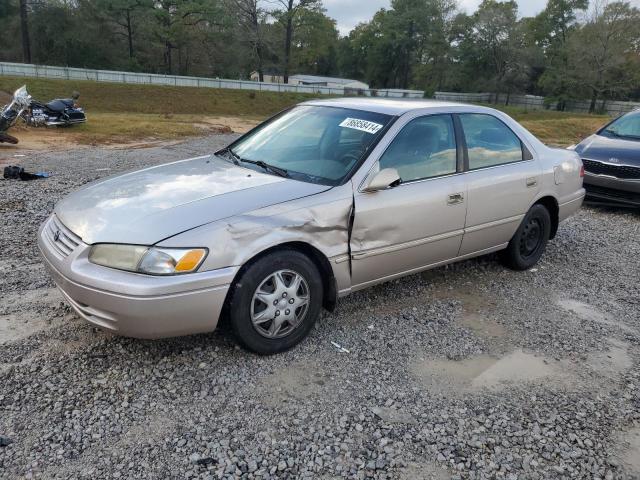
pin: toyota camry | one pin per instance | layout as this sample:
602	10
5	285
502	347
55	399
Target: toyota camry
322	200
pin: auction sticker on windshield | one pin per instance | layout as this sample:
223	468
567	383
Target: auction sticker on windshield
362	125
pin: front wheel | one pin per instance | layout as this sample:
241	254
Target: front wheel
6	138
530	240
275	302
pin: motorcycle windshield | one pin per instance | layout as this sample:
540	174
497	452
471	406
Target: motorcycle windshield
21	96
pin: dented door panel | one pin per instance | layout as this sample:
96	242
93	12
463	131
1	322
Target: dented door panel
406	228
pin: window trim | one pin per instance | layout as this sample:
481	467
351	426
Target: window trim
527	156
456	139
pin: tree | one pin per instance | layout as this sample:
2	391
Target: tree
497	41
24	27
353	53
252	18
315	44
604	55
433	43
288	15
121	13
551	30
174	19
407	45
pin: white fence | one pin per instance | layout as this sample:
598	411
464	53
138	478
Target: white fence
532	102
67	73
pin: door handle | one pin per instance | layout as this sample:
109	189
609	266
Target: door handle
532	182
455	198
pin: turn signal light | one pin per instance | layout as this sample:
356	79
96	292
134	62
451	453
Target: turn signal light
190	261
582	171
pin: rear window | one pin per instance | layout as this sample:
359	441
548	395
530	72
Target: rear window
489	141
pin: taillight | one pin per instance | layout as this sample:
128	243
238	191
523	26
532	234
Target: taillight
582	171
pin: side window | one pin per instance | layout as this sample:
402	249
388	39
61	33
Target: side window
489	141
424	148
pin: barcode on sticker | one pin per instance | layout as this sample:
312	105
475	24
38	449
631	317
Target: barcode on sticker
362	125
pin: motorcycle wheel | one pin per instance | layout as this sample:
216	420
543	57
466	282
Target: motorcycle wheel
6	138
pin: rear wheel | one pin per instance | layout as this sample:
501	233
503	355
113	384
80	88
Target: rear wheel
530	240
275	302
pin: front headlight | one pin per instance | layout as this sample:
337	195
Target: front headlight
153	261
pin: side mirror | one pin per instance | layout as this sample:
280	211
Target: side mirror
385	178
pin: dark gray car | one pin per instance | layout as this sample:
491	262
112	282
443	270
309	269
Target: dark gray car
611	159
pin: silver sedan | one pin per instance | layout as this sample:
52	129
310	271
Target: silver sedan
322	200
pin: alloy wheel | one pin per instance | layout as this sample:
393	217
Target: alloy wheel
280	304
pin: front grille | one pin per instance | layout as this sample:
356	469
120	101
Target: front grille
62	240
618	171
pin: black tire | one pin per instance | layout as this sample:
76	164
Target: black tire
530	241
6	138
241	302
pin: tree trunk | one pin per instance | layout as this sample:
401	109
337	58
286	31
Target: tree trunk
258	46
407	59
24	26
594	100
287	42
129	34
167	57
260	70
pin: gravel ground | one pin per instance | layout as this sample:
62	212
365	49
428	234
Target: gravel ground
469	371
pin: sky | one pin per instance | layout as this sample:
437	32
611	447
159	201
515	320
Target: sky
349	13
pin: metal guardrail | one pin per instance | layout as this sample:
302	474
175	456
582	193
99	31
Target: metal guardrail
69	73
533	102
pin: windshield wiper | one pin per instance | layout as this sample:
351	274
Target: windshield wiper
620	135
234	158
270	168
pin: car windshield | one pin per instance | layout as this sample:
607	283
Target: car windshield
627	126
312	143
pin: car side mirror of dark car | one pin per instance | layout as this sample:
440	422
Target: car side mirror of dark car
385	178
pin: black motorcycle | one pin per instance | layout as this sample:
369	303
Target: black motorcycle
11	112
60	112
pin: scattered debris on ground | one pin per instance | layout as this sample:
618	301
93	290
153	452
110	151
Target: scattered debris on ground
13	172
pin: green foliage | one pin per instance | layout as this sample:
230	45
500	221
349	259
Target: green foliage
567	51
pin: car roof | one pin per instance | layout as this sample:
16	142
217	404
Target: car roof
387	106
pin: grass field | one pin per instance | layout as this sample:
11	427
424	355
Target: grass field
121	113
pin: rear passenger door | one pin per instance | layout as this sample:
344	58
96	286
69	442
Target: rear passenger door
502	180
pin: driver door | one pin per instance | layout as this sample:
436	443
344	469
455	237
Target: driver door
420	222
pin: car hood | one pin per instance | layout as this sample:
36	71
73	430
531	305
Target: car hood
147	206
610	150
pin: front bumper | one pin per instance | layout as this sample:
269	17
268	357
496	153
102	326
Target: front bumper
608	190
131	304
